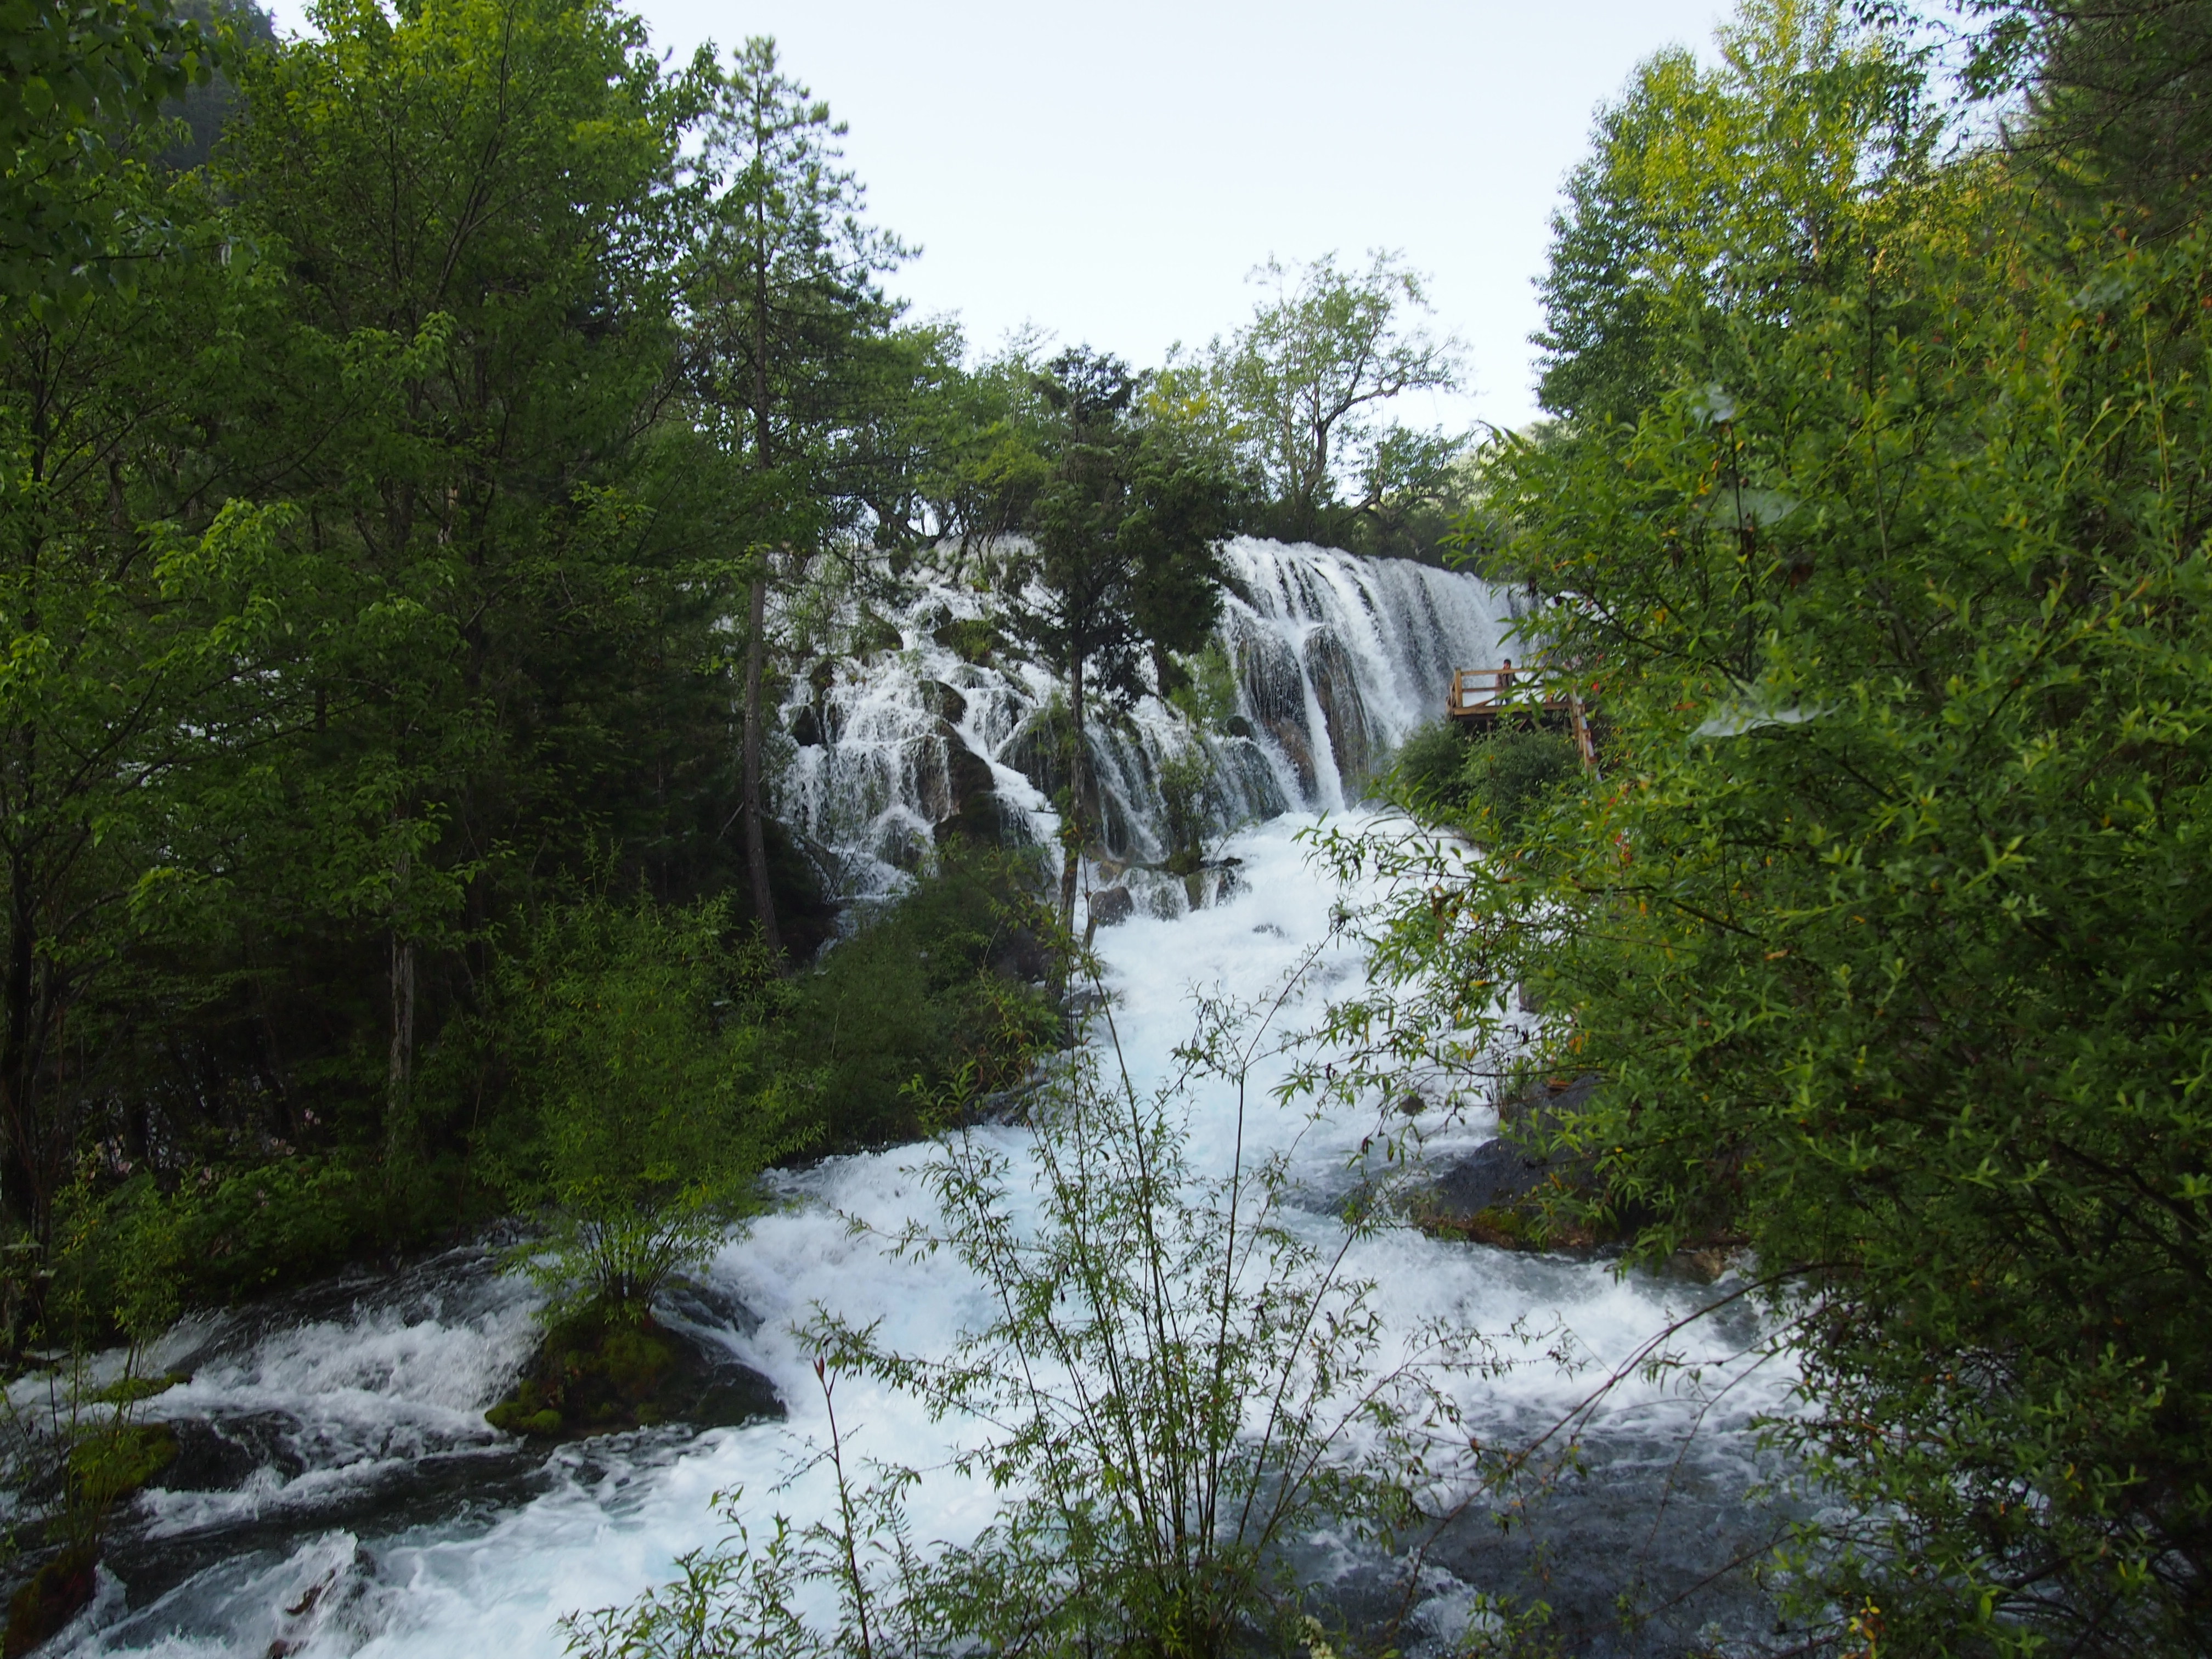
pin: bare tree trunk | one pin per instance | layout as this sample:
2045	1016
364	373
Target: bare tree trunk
20	1061
756	628
756	835
399	1082
1076	832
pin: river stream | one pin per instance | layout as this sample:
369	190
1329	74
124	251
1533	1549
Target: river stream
340	1493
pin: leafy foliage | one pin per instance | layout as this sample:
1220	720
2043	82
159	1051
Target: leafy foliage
84	83
942	986
1881	932
1491	782
633	1038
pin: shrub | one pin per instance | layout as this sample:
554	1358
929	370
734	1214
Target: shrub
1489	783
635	1039
943	980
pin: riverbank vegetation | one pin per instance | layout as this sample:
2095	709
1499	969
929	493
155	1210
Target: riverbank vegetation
426	438
1872	515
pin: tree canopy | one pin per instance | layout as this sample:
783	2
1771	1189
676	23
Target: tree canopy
1872	525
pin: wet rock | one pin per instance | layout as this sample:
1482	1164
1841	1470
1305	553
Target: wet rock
224	1454
806	727
597	1373
1499	1193
1116	829
1038	751
706	1305
973	816
1111	906
1335	680
1289	737
54	1595
951	704
1237	727
1498	1172
1275	691
874	635
902	847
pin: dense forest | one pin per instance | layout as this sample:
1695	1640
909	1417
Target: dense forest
429	441
421	433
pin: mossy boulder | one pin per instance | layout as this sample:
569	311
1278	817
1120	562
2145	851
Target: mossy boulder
1519	1192
973	638
54	1595
605	1369
110	1465
129	1390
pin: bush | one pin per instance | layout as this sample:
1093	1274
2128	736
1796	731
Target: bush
1488	782
635	1039
944	981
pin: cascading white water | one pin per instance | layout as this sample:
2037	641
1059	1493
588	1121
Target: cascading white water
1336	658
345	1496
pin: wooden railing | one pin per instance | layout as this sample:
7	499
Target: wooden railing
1482	696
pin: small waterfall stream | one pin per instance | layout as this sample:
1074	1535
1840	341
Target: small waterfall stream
340	1493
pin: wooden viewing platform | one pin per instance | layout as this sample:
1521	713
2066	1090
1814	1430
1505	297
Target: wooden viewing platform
1483	697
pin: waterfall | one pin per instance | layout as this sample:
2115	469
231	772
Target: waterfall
946	723
338	1491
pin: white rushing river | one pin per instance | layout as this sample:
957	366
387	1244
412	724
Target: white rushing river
339	1493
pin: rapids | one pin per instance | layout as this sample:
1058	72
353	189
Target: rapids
339	1493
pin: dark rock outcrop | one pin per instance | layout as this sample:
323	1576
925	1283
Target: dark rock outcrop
974	816
1111	906
1500	1193
1038	749
1336	681
951	703
597	1373
1275	691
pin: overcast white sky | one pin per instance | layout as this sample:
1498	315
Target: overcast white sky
1112	172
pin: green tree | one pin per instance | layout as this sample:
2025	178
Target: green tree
83	85
986	444
477	200
1125	526
1722	196
1306	378
635	1039
1882	934
787	348
2114	99
146	648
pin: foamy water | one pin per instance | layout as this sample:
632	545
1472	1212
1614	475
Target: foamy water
399	1380
349	1498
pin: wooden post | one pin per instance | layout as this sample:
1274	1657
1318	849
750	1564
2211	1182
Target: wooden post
1575	718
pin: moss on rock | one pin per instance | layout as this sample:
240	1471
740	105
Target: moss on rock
111	1465
54	1595
603	1369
